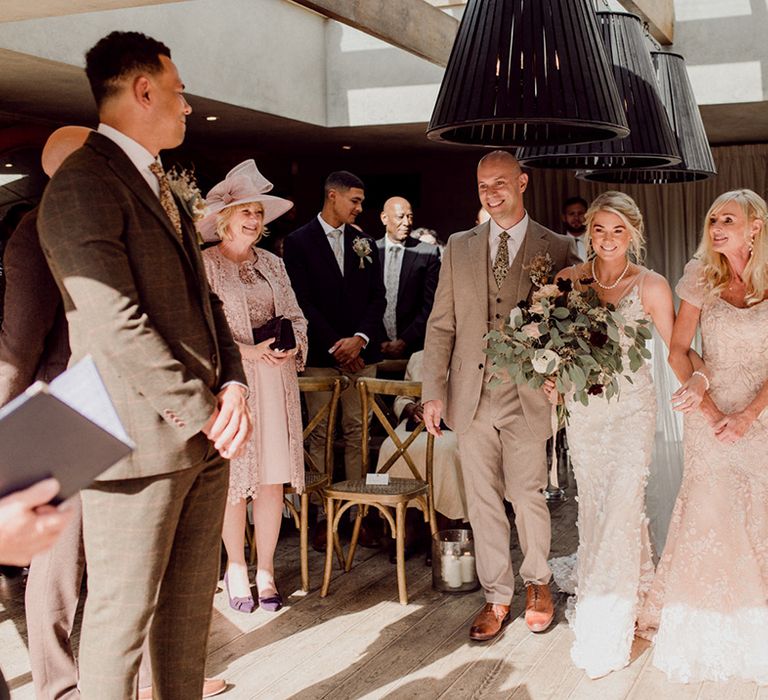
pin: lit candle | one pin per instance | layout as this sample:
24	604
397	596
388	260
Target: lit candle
452	571
467	563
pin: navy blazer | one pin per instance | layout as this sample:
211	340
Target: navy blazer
336	306
416	290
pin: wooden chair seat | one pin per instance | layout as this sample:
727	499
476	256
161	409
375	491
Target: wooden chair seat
312	482
397	490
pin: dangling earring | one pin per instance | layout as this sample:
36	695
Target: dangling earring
751	243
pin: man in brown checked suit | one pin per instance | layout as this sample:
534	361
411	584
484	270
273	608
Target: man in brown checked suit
502	430
124	254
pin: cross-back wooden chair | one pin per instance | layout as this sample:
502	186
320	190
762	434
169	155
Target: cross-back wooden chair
395	496
316	476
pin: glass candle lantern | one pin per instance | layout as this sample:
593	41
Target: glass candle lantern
453	561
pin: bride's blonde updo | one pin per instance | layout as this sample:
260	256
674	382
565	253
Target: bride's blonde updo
627	210
717	272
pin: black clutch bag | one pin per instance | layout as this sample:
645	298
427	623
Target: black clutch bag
279	328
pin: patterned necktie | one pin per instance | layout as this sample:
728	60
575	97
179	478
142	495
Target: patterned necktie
338	253
501	263
392	282
166	197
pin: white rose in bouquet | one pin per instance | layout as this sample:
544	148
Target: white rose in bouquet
545	361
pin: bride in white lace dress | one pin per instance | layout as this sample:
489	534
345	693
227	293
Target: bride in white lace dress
611	443
708	605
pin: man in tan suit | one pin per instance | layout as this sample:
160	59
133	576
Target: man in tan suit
124	254
502	430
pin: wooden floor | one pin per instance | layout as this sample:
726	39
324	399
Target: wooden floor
359	642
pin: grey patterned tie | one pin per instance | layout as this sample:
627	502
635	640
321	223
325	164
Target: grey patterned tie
501	262
392	282
338	253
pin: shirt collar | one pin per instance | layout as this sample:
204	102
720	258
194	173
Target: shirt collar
137	154
327	228
389	244
516	232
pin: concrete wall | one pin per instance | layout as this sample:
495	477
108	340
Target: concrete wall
267	55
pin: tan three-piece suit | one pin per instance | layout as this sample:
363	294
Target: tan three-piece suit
137	299
502	430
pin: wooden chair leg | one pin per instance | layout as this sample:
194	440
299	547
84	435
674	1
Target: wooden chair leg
400	549
337	548
329	547
355	535
304	541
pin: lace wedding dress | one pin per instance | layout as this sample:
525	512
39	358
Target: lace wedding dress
708	604
610	444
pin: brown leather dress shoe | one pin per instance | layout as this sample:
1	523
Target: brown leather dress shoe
211	687
489	622
539	609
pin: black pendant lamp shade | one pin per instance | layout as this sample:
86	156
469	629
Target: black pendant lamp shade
677	96
651	142
527	72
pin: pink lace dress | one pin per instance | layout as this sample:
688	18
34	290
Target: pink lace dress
252	293
708	605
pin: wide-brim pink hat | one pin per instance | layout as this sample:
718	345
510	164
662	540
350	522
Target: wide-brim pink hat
243	184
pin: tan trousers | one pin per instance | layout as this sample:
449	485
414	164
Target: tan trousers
152	545
500	458
351	418
53	590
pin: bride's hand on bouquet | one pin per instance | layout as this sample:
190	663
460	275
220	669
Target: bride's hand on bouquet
732	427
552	393
689	396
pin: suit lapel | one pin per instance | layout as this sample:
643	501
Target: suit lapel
409	258
381	245
477	254
122	166
534	243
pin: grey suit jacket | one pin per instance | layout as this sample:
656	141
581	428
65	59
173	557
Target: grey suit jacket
137	299
33	339
459	320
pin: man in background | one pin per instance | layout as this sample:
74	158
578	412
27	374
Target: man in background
410	269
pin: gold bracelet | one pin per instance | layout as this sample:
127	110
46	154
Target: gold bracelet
699	373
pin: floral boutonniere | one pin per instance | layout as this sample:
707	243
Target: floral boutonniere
362	247
184	185
540	269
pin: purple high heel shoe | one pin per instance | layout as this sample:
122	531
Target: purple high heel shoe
271	603
243	605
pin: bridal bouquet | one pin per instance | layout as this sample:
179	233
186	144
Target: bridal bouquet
566	334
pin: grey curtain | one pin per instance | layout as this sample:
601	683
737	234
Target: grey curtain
674	214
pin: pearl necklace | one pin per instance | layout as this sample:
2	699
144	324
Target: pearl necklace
609	286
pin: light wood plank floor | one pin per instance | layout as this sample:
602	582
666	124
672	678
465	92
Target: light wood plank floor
360	643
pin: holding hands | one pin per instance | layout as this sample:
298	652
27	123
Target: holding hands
347	351
230	424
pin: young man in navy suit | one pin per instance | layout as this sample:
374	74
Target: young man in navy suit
335	272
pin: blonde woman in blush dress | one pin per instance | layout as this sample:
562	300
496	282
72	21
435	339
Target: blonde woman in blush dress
708	605
611	444
254	287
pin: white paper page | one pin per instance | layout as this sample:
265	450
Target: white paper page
81	388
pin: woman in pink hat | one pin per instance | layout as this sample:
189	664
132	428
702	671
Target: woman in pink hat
254	288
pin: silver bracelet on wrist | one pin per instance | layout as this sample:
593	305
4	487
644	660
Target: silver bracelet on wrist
699	373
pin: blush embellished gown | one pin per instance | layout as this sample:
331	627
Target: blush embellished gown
708	606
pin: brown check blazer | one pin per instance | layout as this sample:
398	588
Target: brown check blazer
137	299
34	342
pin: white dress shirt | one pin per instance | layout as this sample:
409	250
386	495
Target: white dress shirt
137	154
516	235
327	229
